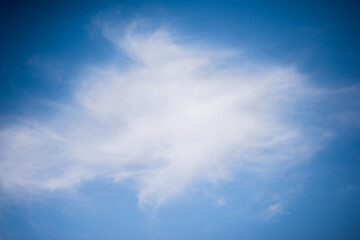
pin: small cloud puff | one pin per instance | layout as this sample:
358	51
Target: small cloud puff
273	211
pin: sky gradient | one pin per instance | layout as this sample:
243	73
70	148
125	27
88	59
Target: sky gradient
179	120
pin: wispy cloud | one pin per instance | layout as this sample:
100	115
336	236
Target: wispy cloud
175	116
273	210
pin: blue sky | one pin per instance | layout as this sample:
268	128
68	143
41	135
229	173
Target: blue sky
179	120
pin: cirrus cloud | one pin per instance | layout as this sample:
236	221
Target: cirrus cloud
174	117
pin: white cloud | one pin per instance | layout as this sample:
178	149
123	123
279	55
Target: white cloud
273	211
178	115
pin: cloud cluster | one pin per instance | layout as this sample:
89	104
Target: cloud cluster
174	117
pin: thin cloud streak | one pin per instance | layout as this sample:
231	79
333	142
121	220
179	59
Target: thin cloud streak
177	116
